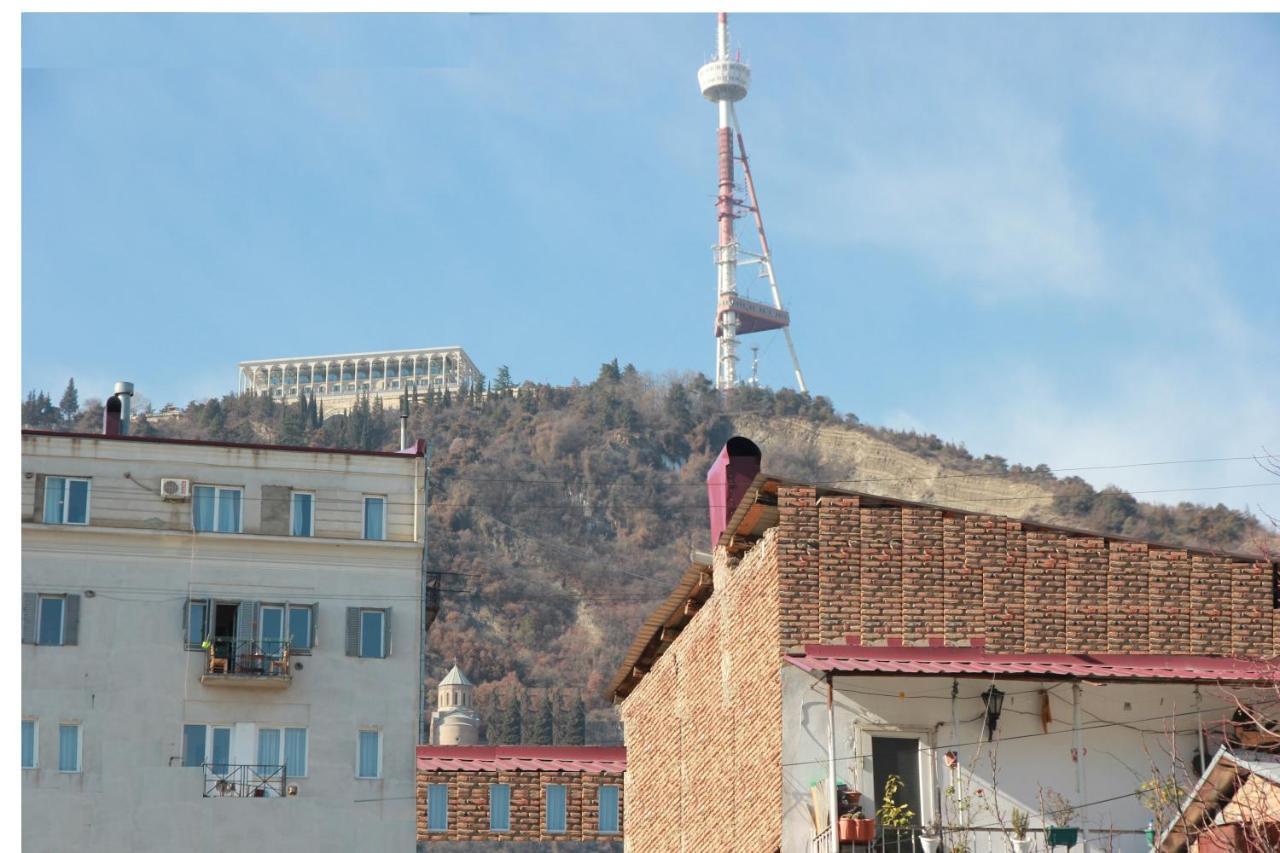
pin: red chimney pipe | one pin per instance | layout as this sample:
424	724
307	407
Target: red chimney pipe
728	480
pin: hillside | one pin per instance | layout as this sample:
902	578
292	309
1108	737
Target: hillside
567	513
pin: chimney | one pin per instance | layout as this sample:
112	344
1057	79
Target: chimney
728	480
115	415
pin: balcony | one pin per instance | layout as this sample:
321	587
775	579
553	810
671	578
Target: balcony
246	663
244	780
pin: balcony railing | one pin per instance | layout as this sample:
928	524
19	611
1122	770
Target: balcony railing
974	839
247	662
244	780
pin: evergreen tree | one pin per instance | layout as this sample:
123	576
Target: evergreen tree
70	404
445	400
512	722
502	383
609	372
561	721
578	724
544	723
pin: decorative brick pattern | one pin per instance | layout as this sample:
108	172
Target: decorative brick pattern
1128	610
798	587
881	573
958	596
1085	603
1250	609
1210	613
839	567
1169	581
1046	591
922	571
704	727
468	807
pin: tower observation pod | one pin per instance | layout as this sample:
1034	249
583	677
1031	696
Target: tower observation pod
724	82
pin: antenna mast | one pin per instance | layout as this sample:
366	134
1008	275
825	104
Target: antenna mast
724	82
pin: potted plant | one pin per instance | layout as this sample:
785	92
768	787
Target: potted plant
845	824
931	835
1059	832
894	815
862	829
1019	822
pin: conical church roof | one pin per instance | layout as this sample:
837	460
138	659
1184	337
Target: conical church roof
455	677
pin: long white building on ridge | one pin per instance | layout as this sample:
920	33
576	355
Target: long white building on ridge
339	380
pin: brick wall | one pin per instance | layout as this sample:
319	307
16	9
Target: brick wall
704	727
882	570
468	817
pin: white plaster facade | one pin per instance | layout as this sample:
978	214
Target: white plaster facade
1128	732
340	380
132	681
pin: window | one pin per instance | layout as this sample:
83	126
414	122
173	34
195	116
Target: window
193	741
608	808
375	520
555	808
301	636
69	748
29	744
49	632
215	509
295	752
271	629
50	620
437	808
369	754
269	746
302	514
499	808
368	632
197	623
220	757
66	500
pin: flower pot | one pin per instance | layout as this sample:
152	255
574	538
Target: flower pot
1061	836
864	830
1020	845
930	843
844	829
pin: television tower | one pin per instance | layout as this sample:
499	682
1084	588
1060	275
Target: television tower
724	82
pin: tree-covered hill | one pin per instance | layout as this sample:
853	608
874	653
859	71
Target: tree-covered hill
566	513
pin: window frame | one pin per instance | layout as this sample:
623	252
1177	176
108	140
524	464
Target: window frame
364	518
79	727
377	733
261	638
35	743
306	751
66	502
507	826
311	514
444	827
382	632
564	805
617	810
62	618
205	624
217	507
290	609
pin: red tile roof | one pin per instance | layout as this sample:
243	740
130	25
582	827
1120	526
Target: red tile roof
975	660
562	759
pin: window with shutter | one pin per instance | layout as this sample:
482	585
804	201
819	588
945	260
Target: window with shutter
71	621
353	632
30	606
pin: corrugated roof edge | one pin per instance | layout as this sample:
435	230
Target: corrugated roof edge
415	450
610	759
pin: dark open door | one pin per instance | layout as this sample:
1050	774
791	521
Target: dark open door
900	756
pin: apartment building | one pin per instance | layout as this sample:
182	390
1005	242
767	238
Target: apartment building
205	623
836	639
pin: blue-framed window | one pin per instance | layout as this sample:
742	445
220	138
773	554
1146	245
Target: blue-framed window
499	808
556	796
437	808
608	808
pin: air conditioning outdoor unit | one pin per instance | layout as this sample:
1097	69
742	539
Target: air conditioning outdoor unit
175	490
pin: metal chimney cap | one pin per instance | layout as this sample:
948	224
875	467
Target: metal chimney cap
124	388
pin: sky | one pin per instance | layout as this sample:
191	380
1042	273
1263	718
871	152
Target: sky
1051	238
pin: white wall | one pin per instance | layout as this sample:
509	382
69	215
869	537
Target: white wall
1152	721
132	685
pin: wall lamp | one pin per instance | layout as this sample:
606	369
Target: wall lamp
994	699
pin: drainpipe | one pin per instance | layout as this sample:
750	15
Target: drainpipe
1078	739
831	765
1204	755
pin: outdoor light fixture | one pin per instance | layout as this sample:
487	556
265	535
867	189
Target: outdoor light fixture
994	699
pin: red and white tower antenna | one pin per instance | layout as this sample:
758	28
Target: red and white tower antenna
724	81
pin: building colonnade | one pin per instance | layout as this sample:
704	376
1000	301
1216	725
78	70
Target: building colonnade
376	373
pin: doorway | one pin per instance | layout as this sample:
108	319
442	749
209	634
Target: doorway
224	633
897	756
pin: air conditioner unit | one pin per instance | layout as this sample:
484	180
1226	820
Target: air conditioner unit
175	490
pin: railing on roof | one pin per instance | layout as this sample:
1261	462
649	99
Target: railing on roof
973	839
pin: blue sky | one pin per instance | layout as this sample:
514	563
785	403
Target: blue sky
1052	238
